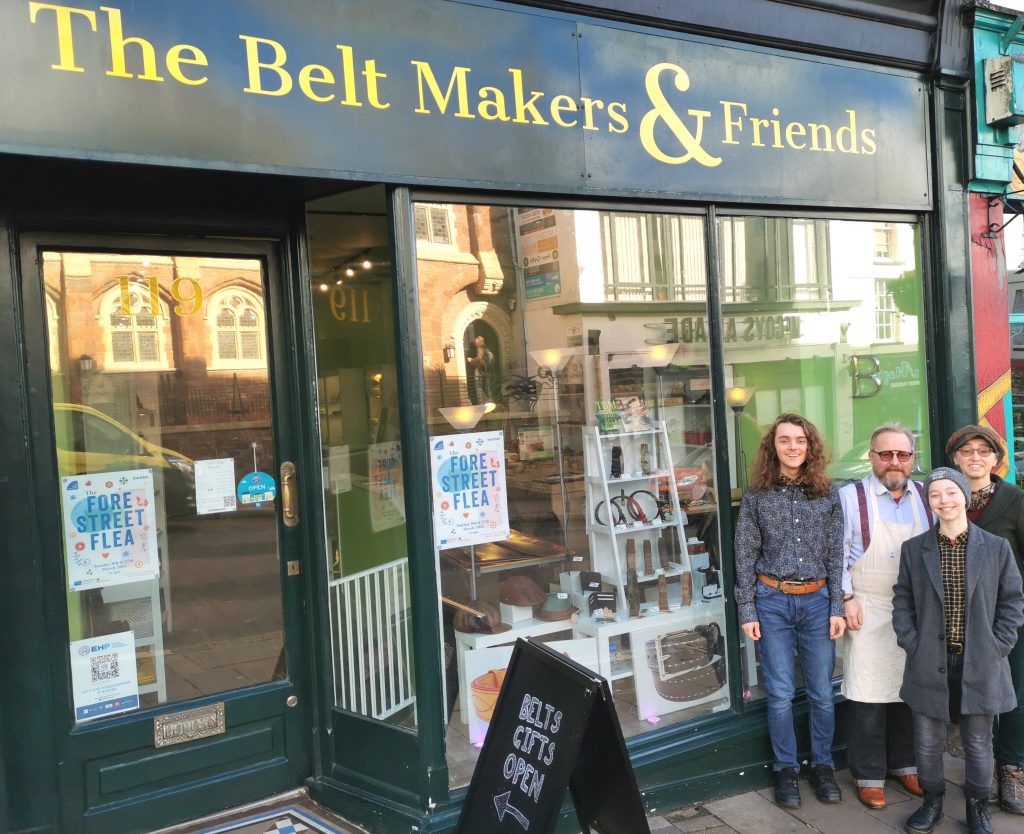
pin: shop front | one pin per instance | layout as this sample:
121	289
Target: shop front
344	348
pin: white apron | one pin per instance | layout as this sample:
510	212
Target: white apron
873	671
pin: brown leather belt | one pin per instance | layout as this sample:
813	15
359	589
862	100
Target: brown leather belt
788	586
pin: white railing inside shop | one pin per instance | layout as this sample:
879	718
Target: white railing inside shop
371	640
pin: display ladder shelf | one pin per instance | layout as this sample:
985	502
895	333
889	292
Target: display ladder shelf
608	540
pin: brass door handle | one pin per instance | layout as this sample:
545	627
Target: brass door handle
289	494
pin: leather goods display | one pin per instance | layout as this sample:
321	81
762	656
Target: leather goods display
556	607
590	581
521	590
687	665
485	691
489	621
604	603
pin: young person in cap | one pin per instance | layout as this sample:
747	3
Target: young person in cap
789	565
998	507
956	611
881	512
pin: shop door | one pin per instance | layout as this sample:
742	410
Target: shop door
169	507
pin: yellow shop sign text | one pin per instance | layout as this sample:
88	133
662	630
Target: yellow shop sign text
667	130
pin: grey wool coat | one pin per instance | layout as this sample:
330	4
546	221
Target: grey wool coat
995	610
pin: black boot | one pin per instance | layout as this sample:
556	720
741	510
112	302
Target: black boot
925	818
787	791
978	819
823	780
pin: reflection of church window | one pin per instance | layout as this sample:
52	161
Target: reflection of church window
774	259
237	321
433	223
649	257
52	328
133	336
886	315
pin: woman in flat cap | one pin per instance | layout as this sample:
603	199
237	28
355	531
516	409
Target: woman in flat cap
998	507
956	610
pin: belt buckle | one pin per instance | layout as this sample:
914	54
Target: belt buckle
790	583
955	648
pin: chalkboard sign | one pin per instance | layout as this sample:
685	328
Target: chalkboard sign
554	727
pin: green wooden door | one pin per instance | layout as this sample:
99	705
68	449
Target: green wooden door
173	541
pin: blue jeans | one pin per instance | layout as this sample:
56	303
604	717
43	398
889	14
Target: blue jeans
797	623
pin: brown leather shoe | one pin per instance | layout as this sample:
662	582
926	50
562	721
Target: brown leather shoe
910	783
872	797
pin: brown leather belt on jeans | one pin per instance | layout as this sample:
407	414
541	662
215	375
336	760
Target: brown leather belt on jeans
788	586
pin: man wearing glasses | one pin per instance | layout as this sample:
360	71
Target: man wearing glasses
880	512
998	508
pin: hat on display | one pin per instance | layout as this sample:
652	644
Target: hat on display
962	435
488	622
521	590
485	690
948	473
556	607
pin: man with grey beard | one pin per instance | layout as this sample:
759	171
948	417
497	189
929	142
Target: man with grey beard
880	512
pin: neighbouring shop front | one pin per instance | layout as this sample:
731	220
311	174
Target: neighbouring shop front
344	346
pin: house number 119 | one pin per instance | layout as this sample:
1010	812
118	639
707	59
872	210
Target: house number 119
193	299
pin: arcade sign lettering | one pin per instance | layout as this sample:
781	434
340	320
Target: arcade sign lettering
690	329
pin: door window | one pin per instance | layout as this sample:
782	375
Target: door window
167	476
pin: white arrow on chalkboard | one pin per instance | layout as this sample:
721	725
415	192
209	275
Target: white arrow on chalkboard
503	806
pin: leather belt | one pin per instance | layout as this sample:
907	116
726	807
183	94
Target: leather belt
792	586
686	665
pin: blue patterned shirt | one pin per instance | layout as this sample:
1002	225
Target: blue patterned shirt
783	534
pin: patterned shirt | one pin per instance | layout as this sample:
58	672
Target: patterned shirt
782	533
952	563
979	500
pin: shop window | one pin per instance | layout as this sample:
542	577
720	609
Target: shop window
774	259
603	540
236	319
134	338
366	545
849	366
434	224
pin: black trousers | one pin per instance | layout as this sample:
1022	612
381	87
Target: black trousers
880	740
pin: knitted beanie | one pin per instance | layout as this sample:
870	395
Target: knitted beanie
948	473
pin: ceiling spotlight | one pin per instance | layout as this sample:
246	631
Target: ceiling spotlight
349	271
323	288
339	282
367	263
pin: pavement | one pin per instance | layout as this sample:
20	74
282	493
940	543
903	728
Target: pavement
754	812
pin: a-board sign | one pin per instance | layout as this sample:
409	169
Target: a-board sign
554	727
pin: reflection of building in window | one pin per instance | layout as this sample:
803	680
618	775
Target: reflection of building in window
433	223
236	318
887	318
774	259
53	333
1018	302
134	337
885	242
651	257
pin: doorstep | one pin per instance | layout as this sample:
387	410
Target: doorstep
291	813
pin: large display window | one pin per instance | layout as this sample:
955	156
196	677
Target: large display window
572	415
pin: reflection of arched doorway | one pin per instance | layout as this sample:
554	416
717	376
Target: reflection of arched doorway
484	378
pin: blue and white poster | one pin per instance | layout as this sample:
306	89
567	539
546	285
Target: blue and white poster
104	677
109	528
470	499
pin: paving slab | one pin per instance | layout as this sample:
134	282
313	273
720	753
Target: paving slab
754	813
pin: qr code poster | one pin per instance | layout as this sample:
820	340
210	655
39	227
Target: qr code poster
104	677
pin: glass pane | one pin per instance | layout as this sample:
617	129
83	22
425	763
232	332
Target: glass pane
605	540
361	446
849	363
170	537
